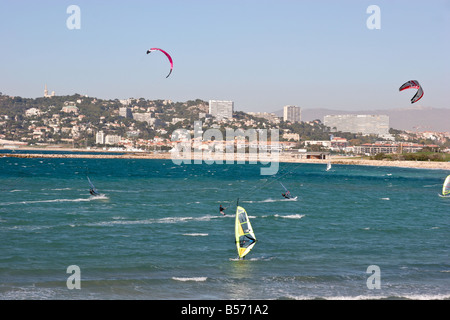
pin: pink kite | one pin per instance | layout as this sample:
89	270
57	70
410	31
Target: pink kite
168	57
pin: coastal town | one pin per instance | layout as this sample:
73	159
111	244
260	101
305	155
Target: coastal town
145	126
220	158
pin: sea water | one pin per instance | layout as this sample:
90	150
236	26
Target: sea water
156	231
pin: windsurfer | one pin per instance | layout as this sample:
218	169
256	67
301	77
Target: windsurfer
92	189
286	195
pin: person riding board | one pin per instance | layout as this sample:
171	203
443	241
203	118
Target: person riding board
222	209
286	195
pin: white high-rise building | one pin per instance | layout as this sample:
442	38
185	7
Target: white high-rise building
358	123
100	137
292	114
221	109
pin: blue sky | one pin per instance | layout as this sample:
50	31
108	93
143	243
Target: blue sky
261	54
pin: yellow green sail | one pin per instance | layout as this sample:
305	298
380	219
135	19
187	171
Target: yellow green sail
245	237
446	186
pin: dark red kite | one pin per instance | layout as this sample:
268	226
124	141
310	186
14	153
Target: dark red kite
413	84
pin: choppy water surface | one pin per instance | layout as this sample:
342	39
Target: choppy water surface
156	232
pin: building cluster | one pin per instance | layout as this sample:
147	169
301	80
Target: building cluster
225	109
127	112
341	145
69	124
391	147
437	137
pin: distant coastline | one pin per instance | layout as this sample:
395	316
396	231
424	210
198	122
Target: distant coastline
101	154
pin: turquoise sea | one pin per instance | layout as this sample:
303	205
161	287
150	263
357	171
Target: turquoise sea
156	232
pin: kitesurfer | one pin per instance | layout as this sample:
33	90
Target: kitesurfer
285	195
222	209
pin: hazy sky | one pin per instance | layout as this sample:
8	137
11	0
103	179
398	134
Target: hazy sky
260	54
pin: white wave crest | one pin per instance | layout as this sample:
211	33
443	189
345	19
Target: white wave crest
195	279
48	201
291	216
122	221
270	200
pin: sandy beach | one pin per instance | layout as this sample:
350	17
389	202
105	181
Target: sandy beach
167	155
